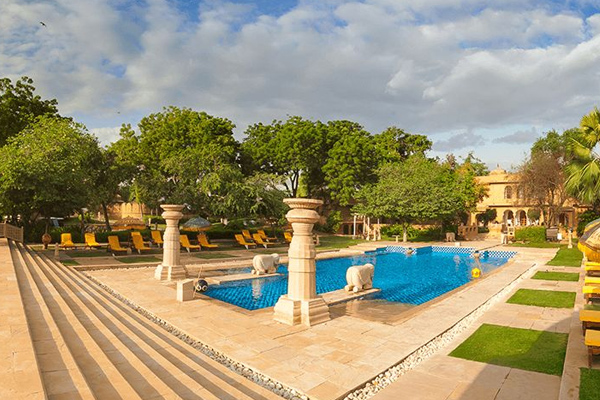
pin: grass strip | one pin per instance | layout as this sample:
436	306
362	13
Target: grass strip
542	245
69	262
140	259
213	255
556	276
589	384
543	298
567	257
531	350
88	253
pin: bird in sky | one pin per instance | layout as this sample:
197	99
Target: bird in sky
43	24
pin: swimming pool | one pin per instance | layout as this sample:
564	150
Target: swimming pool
415	279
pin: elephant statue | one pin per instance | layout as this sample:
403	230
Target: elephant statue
359	277
265	264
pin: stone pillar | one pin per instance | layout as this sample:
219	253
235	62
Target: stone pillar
171	269
301	305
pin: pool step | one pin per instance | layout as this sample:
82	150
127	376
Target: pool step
105	350
340	296
217	280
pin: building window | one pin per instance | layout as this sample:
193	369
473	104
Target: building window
508	192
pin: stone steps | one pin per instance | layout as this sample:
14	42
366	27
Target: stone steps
112	352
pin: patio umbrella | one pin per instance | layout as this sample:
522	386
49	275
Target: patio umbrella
196	224
589	242
129	223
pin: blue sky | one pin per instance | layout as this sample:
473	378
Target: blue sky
487	77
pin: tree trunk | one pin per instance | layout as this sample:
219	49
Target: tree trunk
404	234
105	212
82	222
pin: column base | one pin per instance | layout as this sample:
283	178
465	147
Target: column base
305	312
170	272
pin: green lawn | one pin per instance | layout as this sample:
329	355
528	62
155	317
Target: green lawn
88	253
556	276
567	257
542	245
69	262
337	242
589	384
139	259
527	349
543	298
208	256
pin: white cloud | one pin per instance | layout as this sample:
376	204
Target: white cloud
429	66
106	135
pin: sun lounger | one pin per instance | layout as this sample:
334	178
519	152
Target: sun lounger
157	238
138	242
264	236
185	243
589	319
66	241
288	237
114	246
591	292
247	235
90	241
592	280
592	263
203	241
592	341
258	239
242	241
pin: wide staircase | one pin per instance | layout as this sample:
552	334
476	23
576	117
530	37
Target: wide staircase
89	345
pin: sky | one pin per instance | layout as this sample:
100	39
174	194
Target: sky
474	76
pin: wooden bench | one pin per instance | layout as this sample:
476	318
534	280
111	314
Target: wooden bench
592	341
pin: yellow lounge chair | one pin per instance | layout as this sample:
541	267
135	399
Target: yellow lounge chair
259	240
138	242
242	241
203	241
592	263
185	243
592	341
157	238
66	241
591	292
592	280
264	236
288	237
247	235
114	245
90	241
589	319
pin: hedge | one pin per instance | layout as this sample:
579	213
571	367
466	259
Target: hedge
531	234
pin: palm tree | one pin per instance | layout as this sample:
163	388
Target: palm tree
583	172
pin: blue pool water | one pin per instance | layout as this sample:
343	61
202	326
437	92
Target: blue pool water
413	279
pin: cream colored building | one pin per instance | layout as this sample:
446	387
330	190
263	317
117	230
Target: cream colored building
504	195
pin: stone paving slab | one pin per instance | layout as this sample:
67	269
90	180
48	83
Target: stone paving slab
19	373
327	360
217	280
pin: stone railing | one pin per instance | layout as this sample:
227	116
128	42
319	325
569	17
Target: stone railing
11	232
467	232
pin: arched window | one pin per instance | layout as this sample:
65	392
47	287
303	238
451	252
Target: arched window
508	192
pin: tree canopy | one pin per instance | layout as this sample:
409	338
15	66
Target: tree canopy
19	106
48	169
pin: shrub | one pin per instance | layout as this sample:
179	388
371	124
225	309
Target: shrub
332	224
531	234
585	218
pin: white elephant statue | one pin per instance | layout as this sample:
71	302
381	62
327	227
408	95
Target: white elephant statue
359	277
265	264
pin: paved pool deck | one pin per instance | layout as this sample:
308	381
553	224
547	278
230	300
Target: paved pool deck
363	338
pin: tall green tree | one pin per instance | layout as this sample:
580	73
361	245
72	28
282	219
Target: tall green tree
48	170
350	162
176	151
395	145
583	171
19	106
417	190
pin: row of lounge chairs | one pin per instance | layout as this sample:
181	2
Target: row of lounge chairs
590	315
249	240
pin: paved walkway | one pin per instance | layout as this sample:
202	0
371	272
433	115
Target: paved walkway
445	378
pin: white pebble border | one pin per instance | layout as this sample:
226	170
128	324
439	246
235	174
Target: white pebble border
430	348
364	392
237	367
